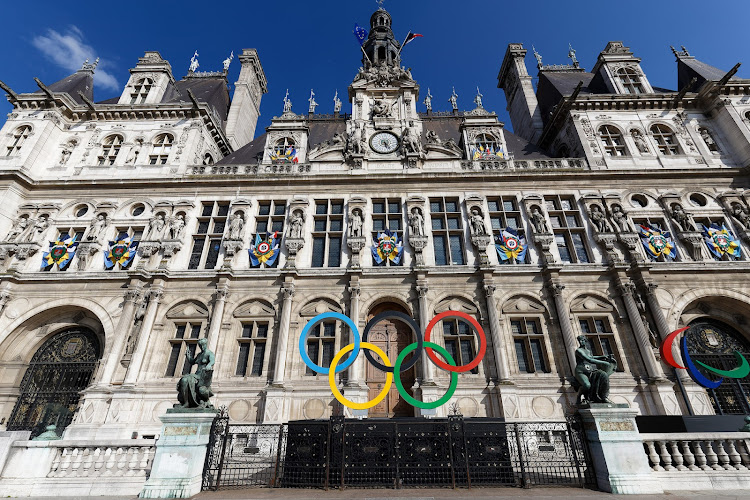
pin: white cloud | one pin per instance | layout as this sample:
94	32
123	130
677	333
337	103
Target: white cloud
69	51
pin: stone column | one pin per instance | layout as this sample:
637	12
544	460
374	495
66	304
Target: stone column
501	357
131	377
564	318
653	368
427	377
217	316
663	327
357	373
281	346
120	335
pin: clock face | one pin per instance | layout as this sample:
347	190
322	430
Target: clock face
384	142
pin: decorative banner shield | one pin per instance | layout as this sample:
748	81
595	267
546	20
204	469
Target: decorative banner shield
387	247
264	250
120	252
288	156
720	241
487	153
657	242
61	252
512	247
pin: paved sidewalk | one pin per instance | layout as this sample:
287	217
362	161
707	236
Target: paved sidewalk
429	494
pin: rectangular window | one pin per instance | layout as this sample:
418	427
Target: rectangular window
321	345
270	220
207	239
447	231
598	331
72	232
529	342
185	340
328	227
459	341
504	213
386	214
659	224
252	343
570	235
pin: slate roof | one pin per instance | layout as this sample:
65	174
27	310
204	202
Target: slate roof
689	67
553	85
81	80
247	154
212	90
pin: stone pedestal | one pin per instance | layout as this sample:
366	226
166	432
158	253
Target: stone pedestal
418	243
481	242
177	471
355	244
620	462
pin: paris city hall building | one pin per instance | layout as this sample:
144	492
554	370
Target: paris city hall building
133	227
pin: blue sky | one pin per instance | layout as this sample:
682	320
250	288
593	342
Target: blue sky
305	44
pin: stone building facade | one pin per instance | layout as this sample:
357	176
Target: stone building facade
176	165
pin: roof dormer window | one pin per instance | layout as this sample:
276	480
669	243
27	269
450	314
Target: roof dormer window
19	137
630	81
162	148
141	90
110	150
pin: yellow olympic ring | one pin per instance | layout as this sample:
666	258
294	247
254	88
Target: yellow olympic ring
332	378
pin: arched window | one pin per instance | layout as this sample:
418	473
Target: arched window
614	145
51	387
630	81
486	146
110	150
208	159
284	151
141	90
665	139
160	152
19	137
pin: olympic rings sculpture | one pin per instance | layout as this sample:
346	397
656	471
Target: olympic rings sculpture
393	371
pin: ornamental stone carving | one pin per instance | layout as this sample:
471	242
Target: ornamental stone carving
598	219
539	221
682	218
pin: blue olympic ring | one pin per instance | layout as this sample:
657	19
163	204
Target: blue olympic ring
306	333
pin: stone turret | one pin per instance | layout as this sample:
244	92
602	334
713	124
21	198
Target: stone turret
245	108
523	107
381	46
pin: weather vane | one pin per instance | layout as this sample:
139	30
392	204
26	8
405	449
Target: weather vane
380	3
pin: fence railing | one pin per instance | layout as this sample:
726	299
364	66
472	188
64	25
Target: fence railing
694	451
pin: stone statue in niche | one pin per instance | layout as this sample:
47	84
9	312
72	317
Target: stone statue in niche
133	156
381	108
67	150
296	222
176	227
416	222
356	141
156	228
640	141
477	223
620	218
596	214
592	374
19	227
97	228
236	227
682	218
355	223
136	330
35	234
538	221
738	211
194	389
710	142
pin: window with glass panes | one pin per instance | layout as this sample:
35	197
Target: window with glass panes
630	81
252	353
386	214
598	331
719	221
110	150
659	224
611	137
321	345
504	213
185	340
665	139
135	231
447	231
161	149
270	219
140	91
570	235
458	338
19	137
528	340
328	227
207	238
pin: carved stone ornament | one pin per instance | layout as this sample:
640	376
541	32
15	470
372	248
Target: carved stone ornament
355	244
418	244
607	242
85	251
384	76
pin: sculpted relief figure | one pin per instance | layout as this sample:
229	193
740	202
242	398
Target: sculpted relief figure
35	234
416	222
621	219
409	142
176	227
19	227
538	221
236	227
296	222
477	223
682	218
640	141
97	228
381	108
355	141
432	137
133	156
738	211
156	228
598	219
355	223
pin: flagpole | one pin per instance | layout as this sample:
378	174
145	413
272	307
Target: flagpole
365	53
402	45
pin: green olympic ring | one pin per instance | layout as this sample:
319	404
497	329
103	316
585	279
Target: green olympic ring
400	385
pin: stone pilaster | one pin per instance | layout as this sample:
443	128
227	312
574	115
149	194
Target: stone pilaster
131	377
217	316
427	373
501	357
281	346
563	315
120	335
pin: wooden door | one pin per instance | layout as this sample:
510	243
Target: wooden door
392	337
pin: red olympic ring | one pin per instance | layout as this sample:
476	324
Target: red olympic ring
666	348
480	332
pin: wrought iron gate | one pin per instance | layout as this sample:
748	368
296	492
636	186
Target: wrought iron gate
397	453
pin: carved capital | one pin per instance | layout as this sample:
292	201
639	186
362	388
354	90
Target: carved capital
221	293
155	294
422	291
489	290
232	247
356	244
170	248
294	245
626	288
4	299
288	290
651	288
133	295
556	289
354	291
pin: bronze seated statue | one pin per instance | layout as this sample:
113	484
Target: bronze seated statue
194	389
592	374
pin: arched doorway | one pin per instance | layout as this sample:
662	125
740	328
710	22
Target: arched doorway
713	343
50	389
392	336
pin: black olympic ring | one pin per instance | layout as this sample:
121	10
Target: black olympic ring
414	328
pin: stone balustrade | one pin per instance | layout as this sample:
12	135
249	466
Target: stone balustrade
121	459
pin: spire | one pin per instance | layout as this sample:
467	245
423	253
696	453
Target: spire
538	58
381	47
